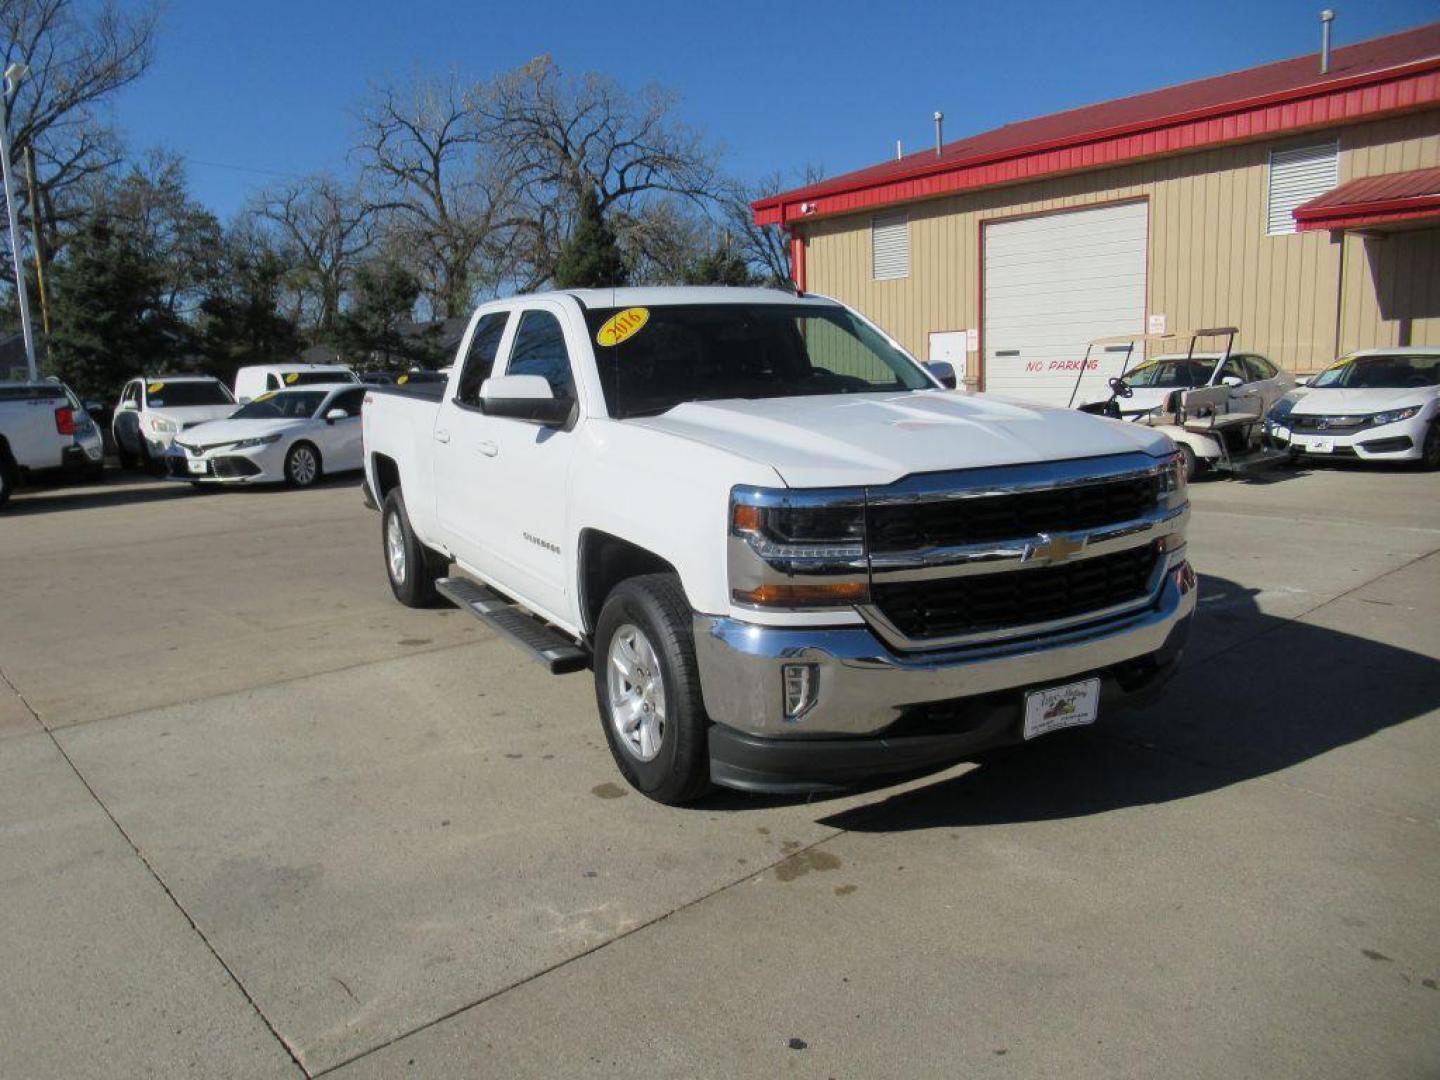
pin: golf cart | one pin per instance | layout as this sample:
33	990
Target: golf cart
1214	426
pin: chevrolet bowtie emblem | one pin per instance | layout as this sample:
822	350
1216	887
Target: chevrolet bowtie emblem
1052	548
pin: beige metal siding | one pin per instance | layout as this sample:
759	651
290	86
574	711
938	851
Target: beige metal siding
1210	260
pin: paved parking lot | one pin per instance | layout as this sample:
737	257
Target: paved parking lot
257	819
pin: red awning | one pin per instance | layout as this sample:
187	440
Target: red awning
1374	200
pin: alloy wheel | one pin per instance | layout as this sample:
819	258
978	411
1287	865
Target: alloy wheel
637	692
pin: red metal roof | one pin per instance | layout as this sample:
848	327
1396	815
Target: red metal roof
1382	75
1374	200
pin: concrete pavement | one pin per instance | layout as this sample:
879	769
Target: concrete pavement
258	819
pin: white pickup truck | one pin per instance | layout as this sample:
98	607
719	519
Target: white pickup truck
44	428
792	558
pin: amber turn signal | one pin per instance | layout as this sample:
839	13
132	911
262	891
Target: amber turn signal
847	592
746	518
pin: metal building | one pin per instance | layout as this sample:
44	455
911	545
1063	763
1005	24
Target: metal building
1301	205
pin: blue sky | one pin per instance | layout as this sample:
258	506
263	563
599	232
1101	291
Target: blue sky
247	89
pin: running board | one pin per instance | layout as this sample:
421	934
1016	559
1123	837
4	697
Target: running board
542	642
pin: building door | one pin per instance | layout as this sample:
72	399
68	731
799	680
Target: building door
1053	283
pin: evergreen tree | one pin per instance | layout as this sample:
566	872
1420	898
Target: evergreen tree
591	257
239	321
111	317
722	266
377	327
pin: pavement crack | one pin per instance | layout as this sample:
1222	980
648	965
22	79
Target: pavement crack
784	857
174	900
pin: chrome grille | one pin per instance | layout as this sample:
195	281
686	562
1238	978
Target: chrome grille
947	522
981	603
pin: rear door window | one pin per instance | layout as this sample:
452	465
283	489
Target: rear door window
480	360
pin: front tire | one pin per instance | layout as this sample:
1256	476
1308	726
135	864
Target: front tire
1430	449
411	566
647	687
302	465
1189	461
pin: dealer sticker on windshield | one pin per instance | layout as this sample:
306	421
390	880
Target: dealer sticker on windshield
622	325
1061	707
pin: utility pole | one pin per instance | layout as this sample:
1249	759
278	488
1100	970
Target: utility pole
35	238
13	74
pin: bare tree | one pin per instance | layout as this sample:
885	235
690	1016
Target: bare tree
328	227
447	199
78	55
558	135
765	247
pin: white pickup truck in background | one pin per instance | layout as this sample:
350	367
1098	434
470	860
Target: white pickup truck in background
44	428
793	560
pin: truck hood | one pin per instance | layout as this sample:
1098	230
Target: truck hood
1328	402
220	432
847	440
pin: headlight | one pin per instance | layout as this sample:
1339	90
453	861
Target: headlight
793	549
262	440
1394	415
161	426
1170	491
1280	411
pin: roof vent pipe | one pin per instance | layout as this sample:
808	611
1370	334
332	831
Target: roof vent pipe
1326	18
899	150
939	127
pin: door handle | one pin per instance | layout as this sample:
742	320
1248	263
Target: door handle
489	449
442	436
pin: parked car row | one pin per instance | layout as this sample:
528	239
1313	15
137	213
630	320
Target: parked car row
291	423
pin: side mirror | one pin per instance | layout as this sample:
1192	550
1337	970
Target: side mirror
1304	381
1120	388
1232	381
336	414
524	397
944	371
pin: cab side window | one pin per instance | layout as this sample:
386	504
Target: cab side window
1260	368
480	360
539	349
1234	367
350	401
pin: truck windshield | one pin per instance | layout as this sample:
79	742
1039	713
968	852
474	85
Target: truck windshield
282	405
160	394
652	359
1382	372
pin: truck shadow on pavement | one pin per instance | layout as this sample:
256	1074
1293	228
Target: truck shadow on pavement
135	488
1270	696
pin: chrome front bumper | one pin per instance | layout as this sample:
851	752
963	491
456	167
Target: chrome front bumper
864	686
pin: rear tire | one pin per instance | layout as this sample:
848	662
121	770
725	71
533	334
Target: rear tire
647	681
9	475
411	566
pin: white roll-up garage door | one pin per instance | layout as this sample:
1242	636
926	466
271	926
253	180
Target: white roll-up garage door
1053	283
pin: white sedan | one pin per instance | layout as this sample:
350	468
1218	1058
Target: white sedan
1375	405
1255	383
285	436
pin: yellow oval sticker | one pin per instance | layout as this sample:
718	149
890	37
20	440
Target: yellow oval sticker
155	388
292	378
402	380
622	325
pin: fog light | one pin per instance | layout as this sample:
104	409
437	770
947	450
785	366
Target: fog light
802	686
